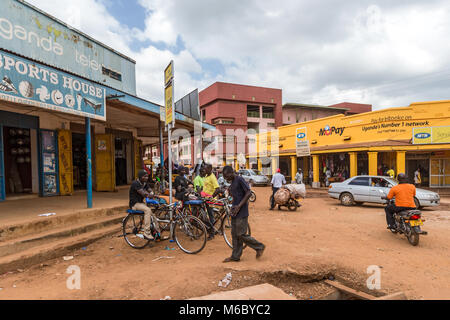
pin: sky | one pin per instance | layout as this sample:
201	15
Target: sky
381	52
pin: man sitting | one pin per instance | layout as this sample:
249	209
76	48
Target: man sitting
404	194
138	192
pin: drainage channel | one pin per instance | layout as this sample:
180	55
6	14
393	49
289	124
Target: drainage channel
316	286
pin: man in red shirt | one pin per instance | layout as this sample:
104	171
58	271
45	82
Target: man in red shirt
404	194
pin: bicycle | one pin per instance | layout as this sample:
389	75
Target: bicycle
221	209
187	231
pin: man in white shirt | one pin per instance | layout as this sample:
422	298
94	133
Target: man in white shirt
299	176
278	180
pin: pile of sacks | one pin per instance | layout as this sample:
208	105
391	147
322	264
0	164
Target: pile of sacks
290	191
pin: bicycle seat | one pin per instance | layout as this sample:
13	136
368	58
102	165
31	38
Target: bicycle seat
194	202
135	211
153	202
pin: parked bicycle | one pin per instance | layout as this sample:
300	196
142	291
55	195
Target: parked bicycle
222	218
187	231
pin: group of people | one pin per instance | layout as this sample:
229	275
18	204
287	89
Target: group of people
205	184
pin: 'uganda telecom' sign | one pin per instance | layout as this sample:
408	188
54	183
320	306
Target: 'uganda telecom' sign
25	82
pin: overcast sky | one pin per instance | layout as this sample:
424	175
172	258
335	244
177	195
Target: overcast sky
385	53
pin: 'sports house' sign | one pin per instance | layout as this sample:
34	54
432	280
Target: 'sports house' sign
29	32
25	82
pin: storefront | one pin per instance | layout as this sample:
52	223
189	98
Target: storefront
402	139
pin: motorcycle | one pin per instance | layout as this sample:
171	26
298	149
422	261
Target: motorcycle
407	222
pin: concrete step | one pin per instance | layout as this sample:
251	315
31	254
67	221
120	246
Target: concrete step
47	224
24	243
54	249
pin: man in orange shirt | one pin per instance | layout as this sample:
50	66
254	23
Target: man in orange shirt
404	194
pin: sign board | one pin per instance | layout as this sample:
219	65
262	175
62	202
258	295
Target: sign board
169	104
189	105
302	143
32	33
25	82
431	135
168	95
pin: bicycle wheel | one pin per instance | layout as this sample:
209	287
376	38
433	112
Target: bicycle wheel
190	234
132	228
226	231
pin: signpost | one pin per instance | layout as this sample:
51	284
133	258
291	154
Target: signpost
169	117
302	143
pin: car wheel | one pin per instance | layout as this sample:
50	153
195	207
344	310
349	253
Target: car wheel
347	199
417	203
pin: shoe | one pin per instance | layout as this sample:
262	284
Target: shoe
271	208
260	252
210	237
230	259
148	236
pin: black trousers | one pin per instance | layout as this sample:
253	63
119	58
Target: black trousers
390	210
239	228
272	203
210	226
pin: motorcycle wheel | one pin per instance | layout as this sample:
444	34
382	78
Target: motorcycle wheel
292	205
413	238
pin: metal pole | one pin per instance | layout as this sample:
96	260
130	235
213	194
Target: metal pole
88	162
169	129
161	144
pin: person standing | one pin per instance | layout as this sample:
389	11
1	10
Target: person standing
391	173
299	176
138	192
278	180
212	188
417	178
327	177
240	192
311	177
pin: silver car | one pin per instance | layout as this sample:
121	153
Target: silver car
359	189
254	177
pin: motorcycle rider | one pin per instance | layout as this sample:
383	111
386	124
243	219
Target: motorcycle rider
404	194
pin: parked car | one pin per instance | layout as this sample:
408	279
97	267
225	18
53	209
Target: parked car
360	189
254	177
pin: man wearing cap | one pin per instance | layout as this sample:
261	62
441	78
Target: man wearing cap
278	180
138	192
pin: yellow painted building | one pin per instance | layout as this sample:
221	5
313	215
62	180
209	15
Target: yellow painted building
402	139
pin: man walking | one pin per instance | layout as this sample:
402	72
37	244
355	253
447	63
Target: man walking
278	180
240	192
299	176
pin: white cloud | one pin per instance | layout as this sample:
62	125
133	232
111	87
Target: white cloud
380	52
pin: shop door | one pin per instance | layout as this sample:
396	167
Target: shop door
65	162
49	163
2	168
104	162
440	173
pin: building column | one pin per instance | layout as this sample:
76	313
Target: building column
293	167
401	162
316	171
236	165
259	165
274	165
247	163
88	162
373	163
353	164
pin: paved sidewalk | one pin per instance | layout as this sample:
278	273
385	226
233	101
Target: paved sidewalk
29	209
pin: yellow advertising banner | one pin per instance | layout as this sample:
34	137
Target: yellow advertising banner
440	134
168	73
169	103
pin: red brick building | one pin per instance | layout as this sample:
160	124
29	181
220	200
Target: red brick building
239	108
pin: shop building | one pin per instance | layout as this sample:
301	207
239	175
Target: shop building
236	110
69	115
403	139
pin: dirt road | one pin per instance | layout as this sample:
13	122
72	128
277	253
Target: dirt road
322	239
